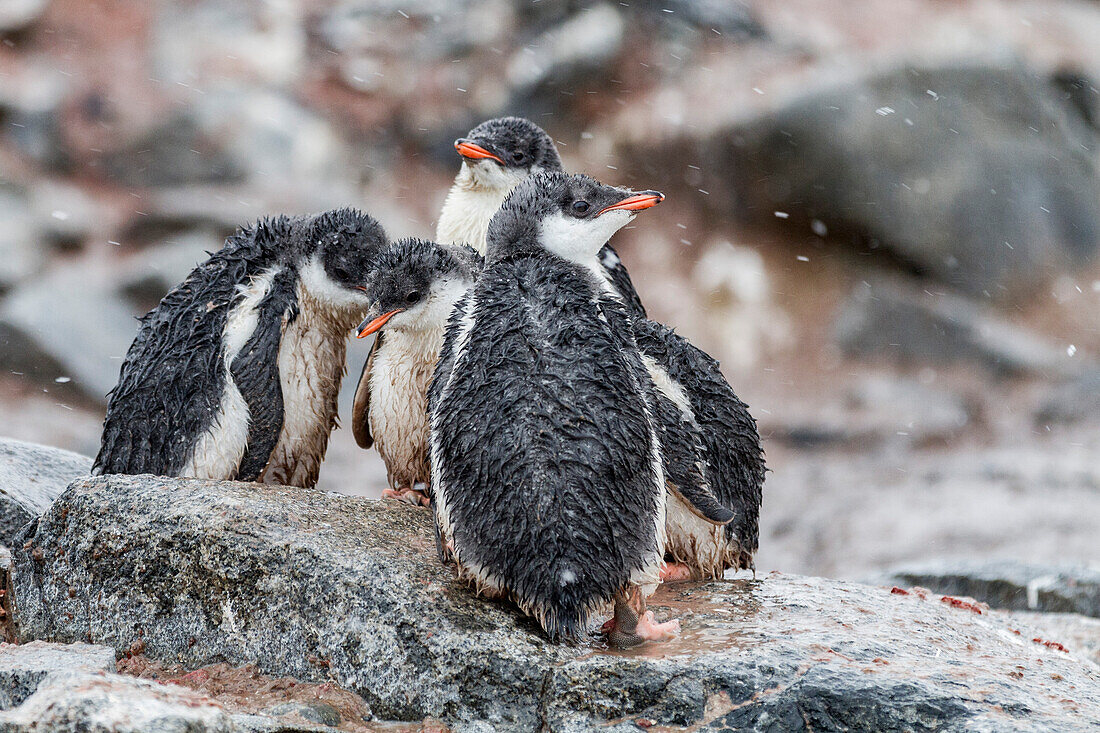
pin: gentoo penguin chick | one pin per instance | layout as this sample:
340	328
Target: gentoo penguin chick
703	423
413	288
496	156
547	475
235	374
720	462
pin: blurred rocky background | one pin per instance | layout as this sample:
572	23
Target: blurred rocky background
882	216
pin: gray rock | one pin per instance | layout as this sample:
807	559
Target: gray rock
31	477
887	319
1080	634
24	666
856	514
979	175
21	252
232	135
111	703
1009	584
31	98
164	265
876	410
68	331
319	586
1077	400
66	215
319	712
581	46
18	14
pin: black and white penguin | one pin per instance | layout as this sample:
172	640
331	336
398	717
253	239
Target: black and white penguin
413	288
496	156
712	452
235	374
711	445
547	476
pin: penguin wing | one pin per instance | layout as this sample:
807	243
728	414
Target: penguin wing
735	457
620	280
172	381
255	372
683	451
360	408
684	459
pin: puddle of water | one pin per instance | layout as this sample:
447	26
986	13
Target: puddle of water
714	615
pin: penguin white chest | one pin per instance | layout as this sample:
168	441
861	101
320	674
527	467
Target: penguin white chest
311	367
399	382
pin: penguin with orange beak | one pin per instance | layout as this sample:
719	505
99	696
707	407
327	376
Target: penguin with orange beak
413	287
547	471
496	156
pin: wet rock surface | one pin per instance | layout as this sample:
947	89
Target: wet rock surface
324	586
79	701
31	477
1010	584
24	666
886	318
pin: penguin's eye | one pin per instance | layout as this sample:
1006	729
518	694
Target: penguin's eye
580	208
518	157
412	296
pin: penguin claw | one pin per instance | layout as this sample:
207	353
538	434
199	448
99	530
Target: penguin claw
407	495
649	630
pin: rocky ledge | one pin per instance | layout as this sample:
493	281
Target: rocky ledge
328	587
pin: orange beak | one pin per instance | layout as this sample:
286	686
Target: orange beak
472	151
366	329
637	202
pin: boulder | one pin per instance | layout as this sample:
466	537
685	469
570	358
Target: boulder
876	410
853	515
31	477
67	330
1076	400
978	174
110	703
24	666
21	254
890	319
1010	584
320	586
16	15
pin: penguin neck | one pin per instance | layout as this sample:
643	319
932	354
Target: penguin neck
471	203
334	304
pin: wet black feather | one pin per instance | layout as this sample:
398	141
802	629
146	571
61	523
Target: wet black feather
734	456
541	424
173	378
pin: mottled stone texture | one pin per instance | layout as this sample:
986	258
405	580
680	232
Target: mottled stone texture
318	585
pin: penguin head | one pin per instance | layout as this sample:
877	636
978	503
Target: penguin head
415	284
499	153
342	247
571	216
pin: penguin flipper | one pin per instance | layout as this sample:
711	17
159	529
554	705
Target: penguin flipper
255	372
360	408
620	279
684	460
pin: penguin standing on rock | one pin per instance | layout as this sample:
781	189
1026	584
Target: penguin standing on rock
547	475
711	445
496	156
413	288
235	374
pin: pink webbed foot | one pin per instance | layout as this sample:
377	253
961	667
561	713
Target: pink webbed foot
632	624
407	495
674	572
649	630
